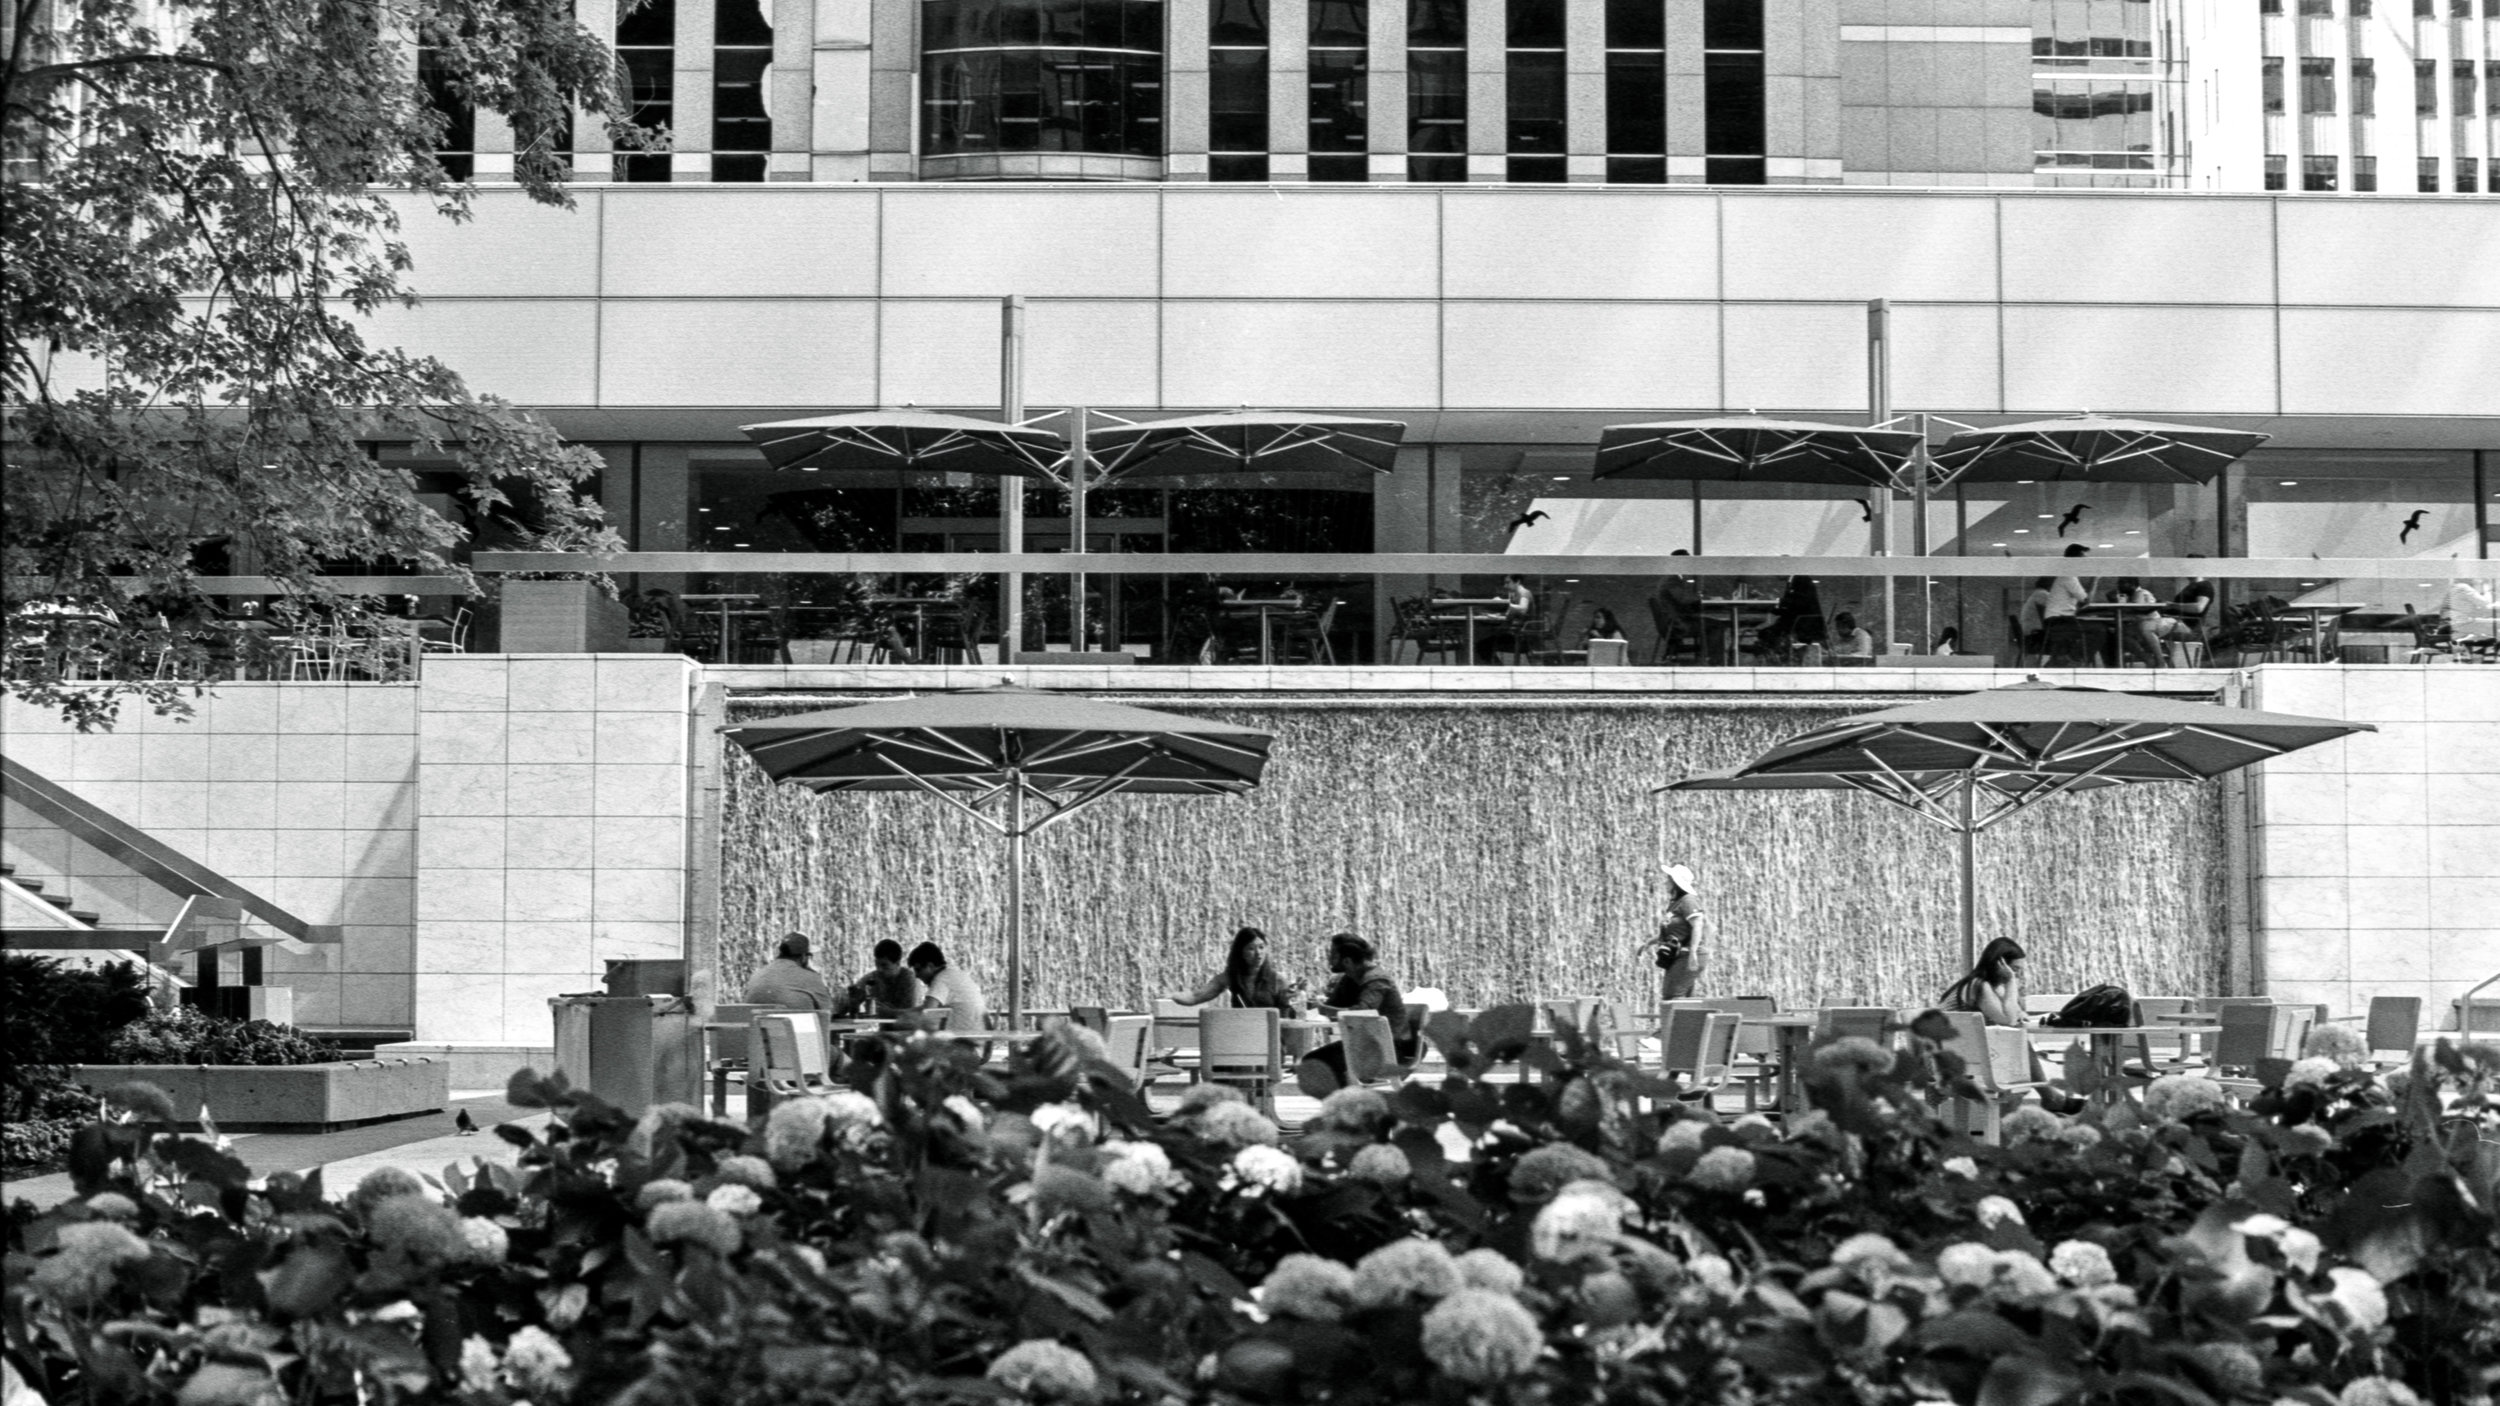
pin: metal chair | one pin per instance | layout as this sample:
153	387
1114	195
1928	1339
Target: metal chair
1998	1059
1371	1052
1697	1045
1841	1022
2395	1023
731	1028
787	1058
1124	1038
1175	1038
1243	1047
1756	1062
1310	633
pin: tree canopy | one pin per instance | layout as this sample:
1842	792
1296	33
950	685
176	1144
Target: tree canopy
201	218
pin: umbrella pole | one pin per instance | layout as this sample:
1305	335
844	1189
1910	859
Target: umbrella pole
1918	541
1011	488
1015	900
1970	880
1878	410
1078	461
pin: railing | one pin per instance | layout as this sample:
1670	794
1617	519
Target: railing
2465	1006
149	857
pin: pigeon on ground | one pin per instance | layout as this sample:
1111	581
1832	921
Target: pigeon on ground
466	1124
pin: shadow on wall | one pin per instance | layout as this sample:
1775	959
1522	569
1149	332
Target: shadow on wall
1492	850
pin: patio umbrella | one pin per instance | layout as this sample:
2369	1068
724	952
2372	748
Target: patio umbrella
1246	439
1970	761
907	439
2094	447
997	753
1755	447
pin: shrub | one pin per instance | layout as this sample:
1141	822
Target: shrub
192	1036
52	1015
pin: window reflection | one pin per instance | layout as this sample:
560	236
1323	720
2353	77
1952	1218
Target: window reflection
1042	75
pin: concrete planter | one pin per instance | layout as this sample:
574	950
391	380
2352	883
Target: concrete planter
290	1097
560	617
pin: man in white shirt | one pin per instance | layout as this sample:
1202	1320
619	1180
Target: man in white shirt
949	989
2059	622
2469	611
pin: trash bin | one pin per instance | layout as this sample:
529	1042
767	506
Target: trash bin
632	1051
646	977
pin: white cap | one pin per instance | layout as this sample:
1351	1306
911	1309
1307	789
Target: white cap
1682	875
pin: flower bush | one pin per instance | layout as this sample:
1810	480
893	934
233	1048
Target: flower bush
1544	1225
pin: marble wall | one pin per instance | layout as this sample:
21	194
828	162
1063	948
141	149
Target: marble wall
2377	858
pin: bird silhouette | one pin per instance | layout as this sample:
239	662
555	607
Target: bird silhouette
2073	515
1866	510
466	1124
1530	518
2412	524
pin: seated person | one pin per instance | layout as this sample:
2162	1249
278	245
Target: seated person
2034	615
2127	590
1797	620
1950	642
1246	978
1360	985
2183	618
888	989
788	981
2469	611
1848	641
949	989
1603	626
1516	603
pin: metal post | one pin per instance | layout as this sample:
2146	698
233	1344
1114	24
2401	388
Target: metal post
1079	469
1918	538
1879	409
1015	899
1010	487
1970	878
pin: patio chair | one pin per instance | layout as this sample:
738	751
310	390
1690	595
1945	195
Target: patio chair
1697	1045
1675	637
1998	1059
1309	636
787	1058
728	1041
2164	1054
1124	1037
1580	1011
2395	1024
1416	626
2252	1032
1243	1046
1175	1039
1840	1022
1756	1062
1626	1026
1371	1052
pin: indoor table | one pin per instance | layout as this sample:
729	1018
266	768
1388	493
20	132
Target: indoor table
1267	610
2120	616
725	600
1736	607
1472	610
2325	625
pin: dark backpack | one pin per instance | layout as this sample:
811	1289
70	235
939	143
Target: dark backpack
2103	1007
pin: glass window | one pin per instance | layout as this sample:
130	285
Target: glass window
2269	7
2317	87
1731	24
2426	87
2317	173
1436	95
1536	102
1340	119
1535	24
1237	100
2320	9
2364	88
646	48
1436	24
2426	175
1636	170
2361	9
1238	22
1636	103
2491	87
1636	24
1340	24
2469	175
2422	10
2275	172
2365	173
2110	117
742	127
2462	72
2354	503
1732	104
458	142
988	83
2274	87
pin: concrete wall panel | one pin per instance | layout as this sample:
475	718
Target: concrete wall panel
938	353
761	243
2156	360
1091	353
514	248
1815	355
1512	245
1320	243
739	353
1902	247
948	242
2390	361
2118	249
2372	253
537	353
1593	355
1317	355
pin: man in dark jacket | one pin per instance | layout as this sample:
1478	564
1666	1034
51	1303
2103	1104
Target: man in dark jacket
1360	986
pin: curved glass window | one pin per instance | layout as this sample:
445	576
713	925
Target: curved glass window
1042	75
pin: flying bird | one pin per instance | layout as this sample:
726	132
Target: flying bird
466	1124
1866	510
1530	518
2073	515
2412	524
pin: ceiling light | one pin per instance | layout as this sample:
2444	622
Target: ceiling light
703	510
742	544
1997	544
2133	532
2290	483
2024	480
2022	531
1562	478
2045	516
2308	583
2105	546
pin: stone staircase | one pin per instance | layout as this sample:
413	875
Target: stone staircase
35	889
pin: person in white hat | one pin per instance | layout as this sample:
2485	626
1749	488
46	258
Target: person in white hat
1679	937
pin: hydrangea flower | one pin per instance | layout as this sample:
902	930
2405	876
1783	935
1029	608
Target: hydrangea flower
695	1223
1237	1125
1491	1269
965	1111
1138	1168
1481	1337
2307	1140
1811	1123
1308	1287
734	1198
2079	1136
1268	1169
82	1270
1403	1270
1381	1164
487	1240
1064	1121
1082	1041
2030	1122
419	1227
2310	1073
1967	1263
660	1191
1723	1169
380	1185
1580	1223
480	1368
2376	1391
2340	1043
1994	1211
1039	1369
2083	1264
1854	1053
538	1364
2021	1276
1713	1272
2175	1098
1354	1109
1867	1254
748	1171
1542	1171
1959	1167
113	1206
1683	1134
796	1126
2232	1366
2300	1249
1198	1098
2358	1294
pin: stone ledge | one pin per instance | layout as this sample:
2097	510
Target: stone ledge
289	1097
476	1065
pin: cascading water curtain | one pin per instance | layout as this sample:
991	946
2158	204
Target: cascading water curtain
1498	851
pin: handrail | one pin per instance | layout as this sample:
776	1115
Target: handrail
2465	1005
151	858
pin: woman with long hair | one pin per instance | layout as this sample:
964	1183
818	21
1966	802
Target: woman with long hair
1994	987
1246	977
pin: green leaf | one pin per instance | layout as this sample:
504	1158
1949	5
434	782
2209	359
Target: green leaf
2026	1381
1504	1031
309	1282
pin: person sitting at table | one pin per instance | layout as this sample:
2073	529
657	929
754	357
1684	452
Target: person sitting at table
788	981
2061	626
1848	640
2183	618
948	989
1994	987
1602	626
1516	603
2469	611
1676	609
2127	590
1246	977
887	989
1360	985
1949	642
1796	621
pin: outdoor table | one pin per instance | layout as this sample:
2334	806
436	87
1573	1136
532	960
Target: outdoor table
1792	1034
1302	1034
2107	1047
1470	609
1241	605
724	599
919	617
2325	622
1736	606
2118	614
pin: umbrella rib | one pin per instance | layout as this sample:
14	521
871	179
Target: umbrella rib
1062	809
2253	744
1914	800
956	801
2121	738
